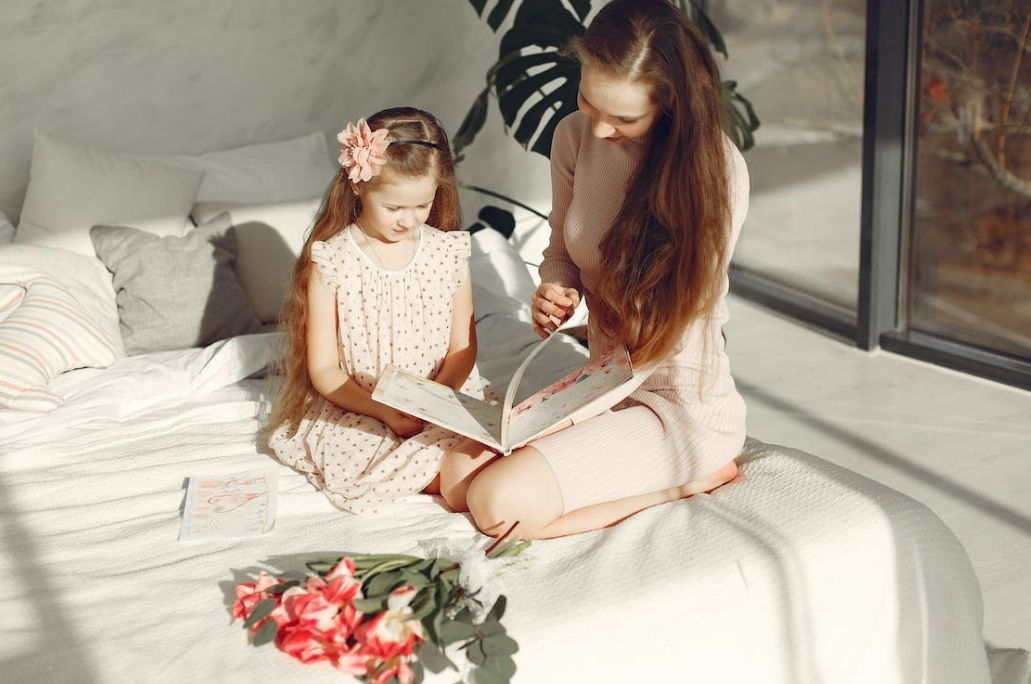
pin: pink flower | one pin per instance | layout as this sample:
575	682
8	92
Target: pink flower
391	633
248	594
304	644
353	661
362	150
310	610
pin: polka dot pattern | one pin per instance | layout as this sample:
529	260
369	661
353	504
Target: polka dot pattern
401	317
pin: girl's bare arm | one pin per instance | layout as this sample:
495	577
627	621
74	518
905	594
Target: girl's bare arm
461	353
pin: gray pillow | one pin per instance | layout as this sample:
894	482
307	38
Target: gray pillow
175	292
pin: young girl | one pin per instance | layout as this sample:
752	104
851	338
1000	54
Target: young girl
648	198
379	281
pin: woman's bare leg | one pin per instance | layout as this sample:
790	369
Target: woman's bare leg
460	466
521	487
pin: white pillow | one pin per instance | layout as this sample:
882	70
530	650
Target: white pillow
260	174
6	230
269	238
73	187
47	333
86	277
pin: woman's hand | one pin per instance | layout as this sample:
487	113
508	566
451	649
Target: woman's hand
402	424
552	305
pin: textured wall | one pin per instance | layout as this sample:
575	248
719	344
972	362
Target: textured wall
193	75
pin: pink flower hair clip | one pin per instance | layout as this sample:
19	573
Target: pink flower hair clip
361	150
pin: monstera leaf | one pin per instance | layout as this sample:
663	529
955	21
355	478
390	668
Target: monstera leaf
536	87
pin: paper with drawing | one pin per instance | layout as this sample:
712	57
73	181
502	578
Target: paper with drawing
241	505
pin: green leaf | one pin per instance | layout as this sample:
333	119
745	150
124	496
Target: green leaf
370	605
581	7
497	611
500	644
488	676
419	673
740	116
266	633
475	653
434	659
500	664
708	30
382	584
489	628
473	122
320	567
280	588
550	94
499	219
498	14
261	611
423	605
517	66
453	631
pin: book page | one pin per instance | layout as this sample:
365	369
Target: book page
513	385
241	505
545	409
440	405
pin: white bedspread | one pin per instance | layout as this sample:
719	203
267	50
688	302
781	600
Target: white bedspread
797	572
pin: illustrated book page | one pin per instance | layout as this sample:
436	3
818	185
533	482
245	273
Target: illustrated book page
241	505
505	427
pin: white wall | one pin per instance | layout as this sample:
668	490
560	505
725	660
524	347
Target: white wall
185	76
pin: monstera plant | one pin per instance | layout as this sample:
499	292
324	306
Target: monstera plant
535	86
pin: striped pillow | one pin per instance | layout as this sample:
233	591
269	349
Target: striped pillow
46	334
10	298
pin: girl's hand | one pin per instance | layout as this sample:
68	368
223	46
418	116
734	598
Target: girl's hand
552	305
402	424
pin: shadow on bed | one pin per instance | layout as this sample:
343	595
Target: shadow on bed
51	630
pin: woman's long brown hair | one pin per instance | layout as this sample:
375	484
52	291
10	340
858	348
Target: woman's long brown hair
664	258
340	207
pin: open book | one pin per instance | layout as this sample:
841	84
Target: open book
506	427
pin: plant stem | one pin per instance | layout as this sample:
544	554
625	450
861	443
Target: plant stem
1009	94
497	195
500	539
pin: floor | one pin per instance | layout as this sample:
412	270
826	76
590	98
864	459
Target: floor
958	444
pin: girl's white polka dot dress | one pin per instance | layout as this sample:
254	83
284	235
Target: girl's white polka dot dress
401	317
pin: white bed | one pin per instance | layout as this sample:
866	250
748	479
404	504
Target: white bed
797	572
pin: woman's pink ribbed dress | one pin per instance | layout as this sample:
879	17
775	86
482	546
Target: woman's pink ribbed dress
682	419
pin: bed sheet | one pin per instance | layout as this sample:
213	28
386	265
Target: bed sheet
797	572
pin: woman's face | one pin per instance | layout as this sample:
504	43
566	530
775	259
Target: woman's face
619	109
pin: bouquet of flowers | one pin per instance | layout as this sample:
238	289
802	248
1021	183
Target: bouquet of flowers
386	617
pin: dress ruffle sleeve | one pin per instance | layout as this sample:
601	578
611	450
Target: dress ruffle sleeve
460	248
323	256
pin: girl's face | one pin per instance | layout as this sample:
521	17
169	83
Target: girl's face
619	109
394	210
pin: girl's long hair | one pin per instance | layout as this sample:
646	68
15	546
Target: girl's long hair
340	207
664	258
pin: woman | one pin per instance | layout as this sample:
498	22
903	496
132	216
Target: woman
648	198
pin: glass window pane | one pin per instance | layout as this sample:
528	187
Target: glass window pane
970	243
801	62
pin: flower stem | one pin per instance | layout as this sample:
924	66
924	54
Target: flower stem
498	195
500	539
